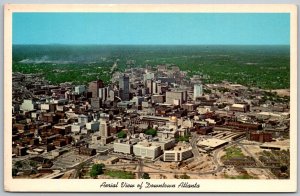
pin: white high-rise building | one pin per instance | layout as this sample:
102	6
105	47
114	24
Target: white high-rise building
154	88
198	90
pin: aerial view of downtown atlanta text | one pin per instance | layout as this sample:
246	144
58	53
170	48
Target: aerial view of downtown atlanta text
151	112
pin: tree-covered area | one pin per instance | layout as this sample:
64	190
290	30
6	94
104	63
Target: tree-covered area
122	134
151	131
75	73
97	169
183	176
182	138
145	176
274	97
266	67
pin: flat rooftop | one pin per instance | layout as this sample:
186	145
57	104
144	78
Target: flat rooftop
212	142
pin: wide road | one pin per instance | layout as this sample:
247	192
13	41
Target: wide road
193	143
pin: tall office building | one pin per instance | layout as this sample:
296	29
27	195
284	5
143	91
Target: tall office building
103	93
104	130
94	87
198	90
159	89
124	87
149	85
154	88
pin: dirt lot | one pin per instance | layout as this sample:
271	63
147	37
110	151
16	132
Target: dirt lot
282	92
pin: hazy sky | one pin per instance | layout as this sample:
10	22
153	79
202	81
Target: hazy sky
151	28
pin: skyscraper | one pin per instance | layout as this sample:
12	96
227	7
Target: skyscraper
198	90
104	128
124	87
94	87
149	85
103	93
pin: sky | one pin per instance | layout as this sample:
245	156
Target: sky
152	28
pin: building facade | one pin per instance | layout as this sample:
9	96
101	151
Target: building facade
125	148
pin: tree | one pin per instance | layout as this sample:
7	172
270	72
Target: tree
184	176
14	171
32	163
152	132
18	164
145	176
283	168
182	138
96	170
122	134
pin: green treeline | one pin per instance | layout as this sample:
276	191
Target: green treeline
266	67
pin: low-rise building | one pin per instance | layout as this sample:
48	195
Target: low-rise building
165	144
240	107
87	151
147	150
80	89
126	147
261	137
158	98
28	105
180	153
94	125
189	107
211	143
76	128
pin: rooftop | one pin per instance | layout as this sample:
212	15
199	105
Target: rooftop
212	142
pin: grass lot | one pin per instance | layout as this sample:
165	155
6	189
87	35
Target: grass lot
233	152
119	174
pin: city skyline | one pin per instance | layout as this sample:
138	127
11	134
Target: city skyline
151	28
